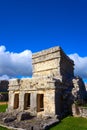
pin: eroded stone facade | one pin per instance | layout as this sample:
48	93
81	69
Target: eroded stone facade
49	91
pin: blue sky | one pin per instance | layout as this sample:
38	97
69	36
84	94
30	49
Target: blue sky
40	24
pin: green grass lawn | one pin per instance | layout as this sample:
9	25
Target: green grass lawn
2	128
71	123
3	107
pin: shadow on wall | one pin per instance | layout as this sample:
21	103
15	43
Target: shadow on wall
68	94
63	101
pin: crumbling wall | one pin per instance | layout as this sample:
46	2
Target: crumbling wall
79	90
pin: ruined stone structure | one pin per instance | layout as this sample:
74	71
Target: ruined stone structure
51	89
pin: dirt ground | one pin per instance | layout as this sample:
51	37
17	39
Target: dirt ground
2	103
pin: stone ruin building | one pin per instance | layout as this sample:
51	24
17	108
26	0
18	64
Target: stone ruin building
52	89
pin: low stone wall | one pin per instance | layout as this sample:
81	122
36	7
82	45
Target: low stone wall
83	111
24	121
79	111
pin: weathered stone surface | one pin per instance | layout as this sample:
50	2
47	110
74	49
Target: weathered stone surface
47	125
33	124
79	111
79	90
52	62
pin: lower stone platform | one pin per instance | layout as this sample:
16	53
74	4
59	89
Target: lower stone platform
32	123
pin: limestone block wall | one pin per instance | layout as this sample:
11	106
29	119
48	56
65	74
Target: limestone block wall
35	86
79	111
49	102
53	62
36	83
14	87
14	84
11	101
46	62
79	90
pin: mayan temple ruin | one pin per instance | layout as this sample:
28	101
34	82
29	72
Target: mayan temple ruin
52	89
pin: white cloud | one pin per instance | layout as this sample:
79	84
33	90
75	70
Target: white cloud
15	64
4	77
80	65
20	64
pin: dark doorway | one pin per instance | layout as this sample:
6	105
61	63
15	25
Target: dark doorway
16	101
40	102
27	101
